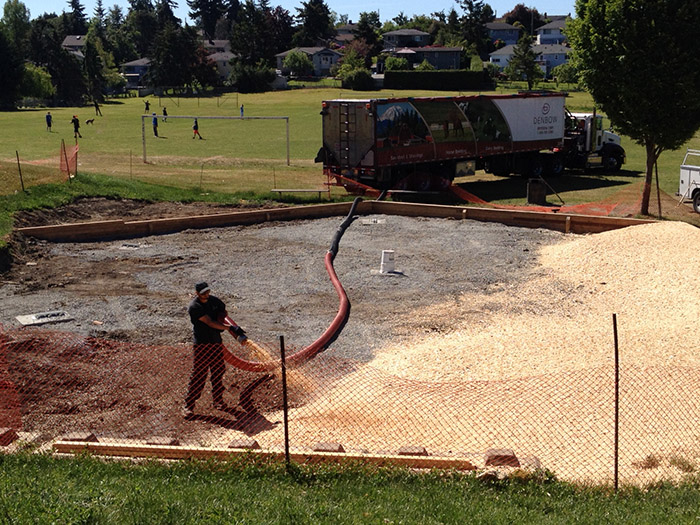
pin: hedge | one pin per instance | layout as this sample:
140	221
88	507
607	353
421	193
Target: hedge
443	79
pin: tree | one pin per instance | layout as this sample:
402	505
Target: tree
77	18
36	83
425	66
523	64
10	71
641	63
315	24
367	31
527	18
16	23
476	15
566	73
206	13
174	56
298	63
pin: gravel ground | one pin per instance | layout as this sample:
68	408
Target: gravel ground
273	277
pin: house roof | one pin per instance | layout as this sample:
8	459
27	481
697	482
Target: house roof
434	49
221	56
495	26
311	51
74	41
556	24
407	32
138	62
544	49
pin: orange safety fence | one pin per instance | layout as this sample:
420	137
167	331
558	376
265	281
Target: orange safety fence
615	205
54	384
69	159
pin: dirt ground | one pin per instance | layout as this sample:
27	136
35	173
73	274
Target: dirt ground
449	275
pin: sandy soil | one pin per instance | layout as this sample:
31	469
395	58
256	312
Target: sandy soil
485	337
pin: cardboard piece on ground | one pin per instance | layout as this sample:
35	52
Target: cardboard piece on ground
55	316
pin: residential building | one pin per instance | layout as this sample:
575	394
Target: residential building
222	59
345	34
549	56
507	33
322	59
438	57
75	44
405	38
134	72
551	33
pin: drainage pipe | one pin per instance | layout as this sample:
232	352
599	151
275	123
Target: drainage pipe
333	330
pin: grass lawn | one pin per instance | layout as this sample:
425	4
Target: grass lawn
238	157
42	489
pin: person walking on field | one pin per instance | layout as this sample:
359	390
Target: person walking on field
49	121
155	124
195	130
165	113
205	310
76	127
147	106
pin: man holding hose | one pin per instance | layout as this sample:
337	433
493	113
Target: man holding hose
205	310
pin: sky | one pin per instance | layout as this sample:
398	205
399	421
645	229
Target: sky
388	9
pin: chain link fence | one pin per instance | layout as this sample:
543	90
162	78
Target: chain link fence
56	385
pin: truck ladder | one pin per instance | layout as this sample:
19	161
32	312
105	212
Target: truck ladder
347	132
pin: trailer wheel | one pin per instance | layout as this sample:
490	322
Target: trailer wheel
696	202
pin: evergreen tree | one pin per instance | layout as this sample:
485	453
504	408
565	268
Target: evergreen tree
207	13
78	20
10	71
523	64
315	25
476	16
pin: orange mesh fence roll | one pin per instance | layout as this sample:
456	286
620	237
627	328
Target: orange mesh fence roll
69	159
55	383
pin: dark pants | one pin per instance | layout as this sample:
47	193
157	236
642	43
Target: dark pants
207	357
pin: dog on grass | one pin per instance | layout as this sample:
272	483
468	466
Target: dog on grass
90	121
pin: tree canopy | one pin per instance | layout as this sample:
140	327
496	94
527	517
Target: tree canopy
641	63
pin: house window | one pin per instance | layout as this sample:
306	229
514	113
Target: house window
495	60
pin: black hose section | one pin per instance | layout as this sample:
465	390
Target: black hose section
333	250
383	195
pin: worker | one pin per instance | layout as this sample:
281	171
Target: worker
205	312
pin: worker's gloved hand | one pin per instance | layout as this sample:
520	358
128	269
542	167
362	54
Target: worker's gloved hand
238	333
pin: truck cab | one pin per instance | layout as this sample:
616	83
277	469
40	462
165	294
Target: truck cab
589	145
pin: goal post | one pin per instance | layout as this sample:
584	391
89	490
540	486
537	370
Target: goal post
192	117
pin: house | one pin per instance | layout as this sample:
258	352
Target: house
75	44
405	38
549	56
438	57
552	33
345	34
322	59
506	33
134	72
216	46
222	60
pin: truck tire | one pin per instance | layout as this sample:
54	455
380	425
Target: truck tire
696	202
553	165
612	163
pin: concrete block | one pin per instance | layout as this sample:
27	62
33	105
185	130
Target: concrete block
411	450
244	443
7	436
500	457
87	437
328	447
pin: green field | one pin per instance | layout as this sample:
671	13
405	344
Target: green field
249	155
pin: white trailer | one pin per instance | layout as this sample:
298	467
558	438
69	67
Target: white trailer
689	183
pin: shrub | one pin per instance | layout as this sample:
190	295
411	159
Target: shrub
359	79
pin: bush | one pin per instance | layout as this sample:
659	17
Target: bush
443	80
425	66
396	64
251	79
359	79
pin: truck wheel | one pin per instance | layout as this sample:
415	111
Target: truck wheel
612	163
553	165
696	201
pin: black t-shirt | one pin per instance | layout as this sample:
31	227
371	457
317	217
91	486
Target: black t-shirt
204	333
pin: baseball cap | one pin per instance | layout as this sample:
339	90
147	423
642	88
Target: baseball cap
202	287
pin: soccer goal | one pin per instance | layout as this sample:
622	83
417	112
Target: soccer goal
146	121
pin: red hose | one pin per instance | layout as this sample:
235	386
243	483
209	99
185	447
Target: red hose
314	348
